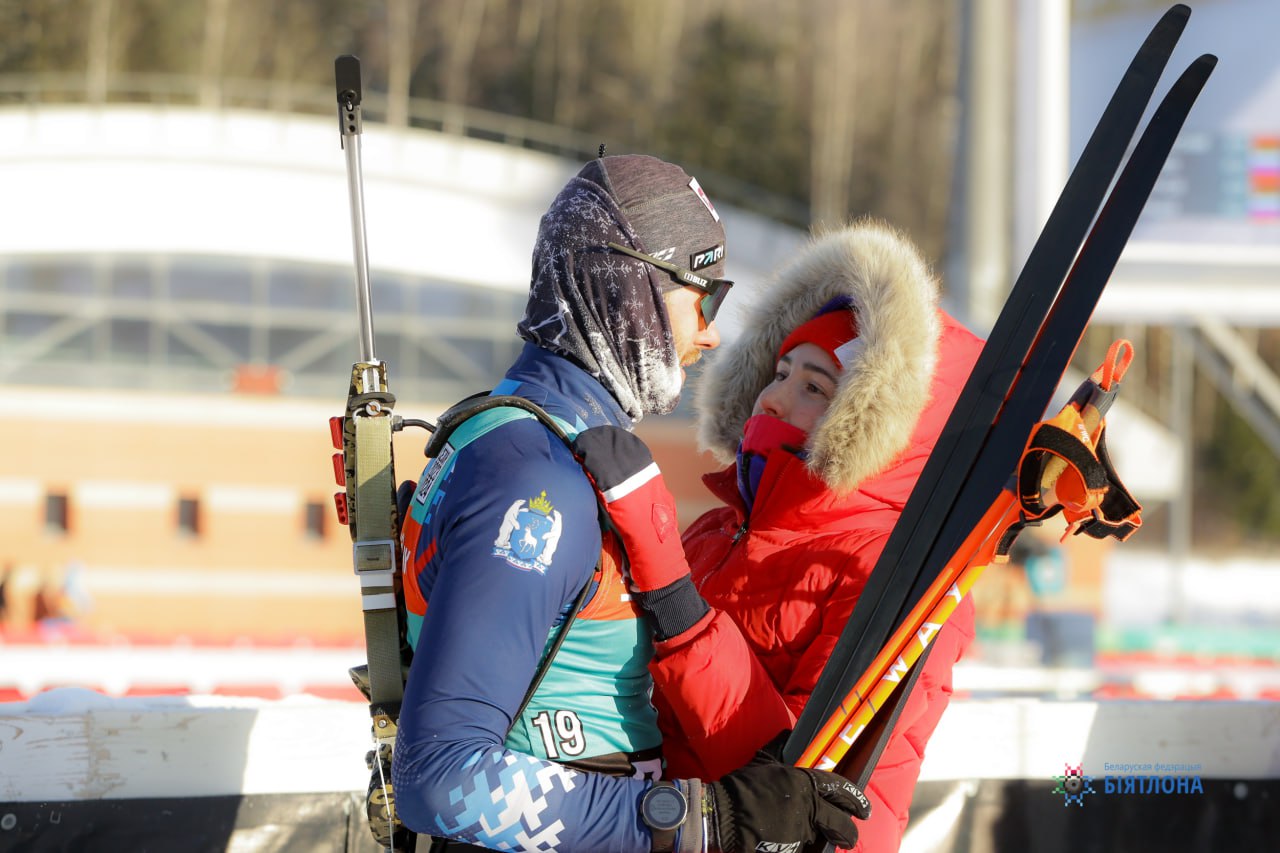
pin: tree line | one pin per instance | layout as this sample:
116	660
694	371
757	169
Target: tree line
840	108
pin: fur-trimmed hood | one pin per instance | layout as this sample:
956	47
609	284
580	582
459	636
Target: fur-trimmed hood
881	393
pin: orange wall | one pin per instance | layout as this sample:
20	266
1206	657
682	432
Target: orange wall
253	463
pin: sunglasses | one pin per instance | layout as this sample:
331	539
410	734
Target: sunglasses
714	289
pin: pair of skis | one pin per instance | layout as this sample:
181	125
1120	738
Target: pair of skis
1028	349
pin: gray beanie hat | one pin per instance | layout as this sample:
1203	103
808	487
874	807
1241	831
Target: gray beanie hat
666	208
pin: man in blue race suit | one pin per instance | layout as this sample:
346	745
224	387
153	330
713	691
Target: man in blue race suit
503	532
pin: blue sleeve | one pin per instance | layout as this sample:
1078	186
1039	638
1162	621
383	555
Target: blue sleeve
491	605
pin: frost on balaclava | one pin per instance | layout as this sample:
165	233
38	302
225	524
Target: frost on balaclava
603	309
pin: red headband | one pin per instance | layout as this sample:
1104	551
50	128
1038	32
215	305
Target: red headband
828	331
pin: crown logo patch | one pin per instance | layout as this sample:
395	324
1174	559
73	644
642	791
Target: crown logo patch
529	533
540	504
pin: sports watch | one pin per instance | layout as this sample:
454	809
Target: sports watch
663	809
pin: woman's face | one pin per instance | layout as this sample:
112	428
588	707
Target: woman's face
802	387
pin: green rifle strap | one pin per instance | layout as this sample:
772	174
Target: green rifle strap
374	556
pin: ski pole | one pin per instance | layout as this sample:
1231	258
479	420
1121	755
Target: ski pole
988	542
895	659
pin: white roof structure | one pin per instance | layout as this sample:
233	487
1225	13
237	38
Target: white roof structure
178	180
181	248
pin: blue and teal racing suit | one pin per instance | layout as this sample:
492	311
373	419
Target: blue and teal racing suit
501	535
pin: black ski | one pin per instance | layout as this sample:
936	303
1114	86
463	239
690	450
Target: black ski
1066	323
950	467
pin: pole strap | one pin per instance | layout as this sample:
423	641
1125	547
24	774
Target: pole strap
1066	467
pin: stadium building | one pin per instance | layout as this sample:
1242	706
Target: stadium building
178	306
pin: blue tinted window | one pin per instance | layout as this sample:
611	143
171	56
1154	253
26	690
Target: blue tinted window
131	339
185	320
69	278
130	279
208	281
388	294
303	287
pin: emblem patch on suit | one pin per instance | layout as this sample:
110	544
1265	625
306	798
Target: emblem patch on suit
529	534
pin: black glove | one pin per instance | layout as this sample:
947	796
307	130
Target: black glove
768	805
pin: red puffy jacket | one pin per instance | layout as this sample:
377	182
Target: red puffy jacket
783	587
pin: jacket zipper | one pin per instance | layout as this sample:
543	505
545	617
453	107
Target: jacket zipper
732	544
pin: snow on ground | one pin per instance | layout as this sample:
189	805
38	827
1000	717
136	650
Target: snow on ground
119	668
71	743
71	701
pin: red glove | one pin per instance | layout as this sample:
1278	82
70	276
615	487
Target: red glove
643	514
640	506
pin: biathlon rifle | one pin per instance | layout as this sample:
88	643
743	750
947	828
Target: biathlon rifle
366	467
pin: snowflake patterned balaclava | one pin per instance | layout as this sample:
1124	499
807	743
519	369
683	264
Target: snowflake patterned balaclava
603	309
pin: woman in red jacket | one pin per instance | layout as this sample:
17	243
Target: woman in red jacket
826	409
